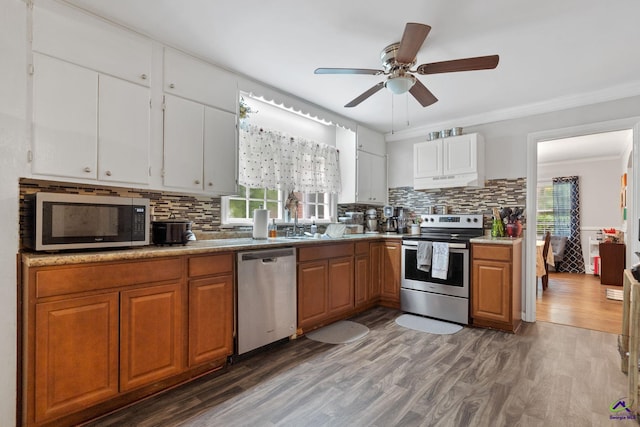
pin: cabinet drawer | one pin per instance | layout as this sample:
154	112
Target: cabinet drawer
494	252
362	248
90	277
208	265
325	252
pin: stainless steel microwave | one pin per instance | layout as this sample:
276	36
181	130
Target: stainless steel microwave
71	221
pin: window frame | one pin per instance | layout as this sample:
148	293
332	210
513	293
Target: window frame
331	204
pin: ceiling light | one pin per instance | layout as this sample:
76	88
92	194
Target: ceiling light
400	84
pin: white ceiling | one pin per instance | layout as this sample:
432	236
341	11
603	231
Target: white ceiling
595	146
566	51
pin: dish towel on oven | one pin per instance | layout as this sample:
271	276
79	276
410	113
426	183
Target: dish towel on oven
440	261
423	256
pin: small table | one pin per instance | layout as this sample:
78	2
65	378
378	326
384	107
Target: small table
540	271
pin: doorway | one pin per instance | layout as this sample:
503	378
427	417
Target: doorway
531	282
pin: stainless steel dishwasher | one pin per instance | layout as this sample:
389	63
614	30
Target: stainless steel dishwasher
266	297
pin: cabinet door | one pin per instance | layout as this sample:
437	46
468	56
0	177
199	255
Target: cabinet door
391	271
183	143
340	285
313	279
370	141
123	131
364	177
210	319
460	155
377	251
371	178
427	159
194	79
151	333
491	290
378	180
65	119
362	279
76	354
220	152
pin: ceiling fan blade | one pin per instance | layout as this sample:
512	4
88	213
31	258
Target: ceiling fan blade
422	94
365	95
412	39
466	64
348	71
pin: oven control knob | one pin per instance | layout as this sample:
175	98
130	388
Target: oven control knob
468	219
475	219
431	219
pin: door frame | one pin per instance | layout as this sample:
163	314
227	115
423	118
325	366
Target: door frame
531	283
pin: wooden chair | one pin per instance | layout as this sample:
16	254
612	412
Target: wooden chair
545	252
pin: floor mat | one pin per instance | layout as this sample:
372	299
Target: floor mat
615	294
341	332
425	324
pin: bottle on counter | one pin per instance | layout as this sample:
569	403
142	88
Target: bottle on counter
273	229
314	227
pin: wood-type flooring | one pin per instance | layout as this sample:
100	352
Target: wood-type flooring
579	300
546	375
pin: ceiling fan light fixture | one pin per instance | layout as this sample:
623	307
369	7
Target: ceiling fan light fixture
400	84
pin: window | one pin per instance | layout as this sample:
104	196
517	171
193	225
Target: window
544	214
239	209
554	209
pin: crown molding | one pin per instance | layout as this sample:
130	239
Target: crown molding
610	94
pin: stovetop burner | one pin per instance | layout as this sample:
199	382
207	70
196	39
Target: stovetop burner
447	228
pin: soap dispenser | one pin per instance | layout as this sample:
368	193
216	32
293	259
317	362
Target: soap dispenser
273	229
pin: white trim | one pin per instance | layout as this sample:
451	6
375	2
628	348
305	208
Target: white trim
530	282
557	104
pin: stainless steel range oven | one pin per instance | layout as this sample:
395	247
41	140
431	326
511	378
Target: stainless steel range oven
422	293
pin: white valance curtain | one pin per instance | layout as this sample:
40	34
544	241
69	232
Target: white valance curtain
277	161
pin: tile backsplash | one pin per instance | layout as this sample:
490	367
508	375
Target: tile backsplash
460	200
202	211
464	200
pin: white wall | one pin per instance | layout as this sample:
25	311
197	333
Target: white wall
13	107
599	189
506	141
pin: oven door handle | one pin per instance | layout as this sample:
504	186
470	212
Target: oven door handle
414	243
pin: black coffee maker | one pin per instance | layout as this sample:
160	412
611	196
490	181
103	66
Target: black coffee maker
389	223
400	219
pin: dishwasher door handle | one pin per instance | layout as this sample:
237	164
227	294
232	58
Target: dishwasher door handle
267	254
268	260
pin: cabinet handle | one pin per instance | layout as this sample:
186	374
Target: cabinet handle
197	181
211	184
108	173
143	77
171	86
87	169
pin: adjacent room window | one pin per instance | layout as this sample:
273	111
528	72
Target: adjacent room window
554	209
544	213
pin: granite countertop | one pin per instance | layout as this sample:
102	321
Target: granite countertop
496	240
40	259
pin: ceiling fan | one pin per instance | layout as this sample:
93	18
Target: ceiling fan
397	60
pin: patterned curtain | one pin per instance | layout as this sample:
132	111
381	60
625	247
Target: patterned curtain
274	160
566	216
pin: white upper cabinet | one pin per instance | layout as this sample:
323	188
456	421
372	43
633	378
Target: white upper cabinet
456	161
372	178
220	152
65	119
183	143
370	141
199	147
363	173
82	39
199	81
123	131
88	125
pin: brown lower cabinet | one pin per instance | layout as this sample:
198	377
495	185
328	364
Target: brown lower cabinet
390	274
496	285
325	284
100	335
